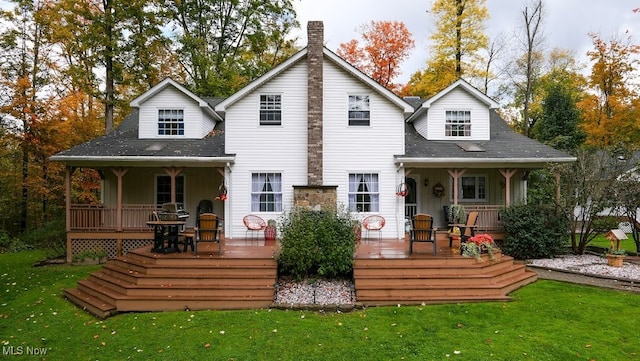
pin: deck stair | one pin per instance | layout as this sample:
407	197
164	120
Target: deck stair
389	281
142	281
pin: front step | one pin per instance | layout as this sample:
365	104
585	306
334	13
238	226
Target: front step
437	280
93	305
140	282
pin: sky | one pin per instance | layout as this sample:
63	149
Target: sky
567	23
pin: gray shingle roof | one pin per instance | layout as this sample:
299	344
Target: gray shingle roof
505	144
123	143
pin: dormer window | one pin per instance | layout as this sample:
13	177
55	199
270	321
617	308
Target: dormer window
457	123
270	109
359	113
170	122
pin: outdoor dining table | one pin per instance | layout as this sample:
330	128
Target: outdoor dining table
166	231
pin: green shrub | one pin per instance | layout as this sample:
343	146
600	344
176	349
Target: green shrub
316	243
10	244
51	238
533	231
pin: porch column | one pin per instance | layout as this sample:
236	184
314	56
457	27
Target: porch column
557	174
67	196
507	174
456	174
119	173
173	172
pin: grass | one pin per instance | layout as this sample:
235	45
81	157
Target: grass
546	321
601	241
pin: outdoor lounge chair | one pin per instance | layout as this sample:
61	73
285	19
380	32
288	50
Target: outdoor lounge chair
422	231
468	230
208	231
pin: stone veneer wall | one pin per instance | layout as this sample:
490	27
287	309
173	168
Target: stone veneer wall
315	44
315	197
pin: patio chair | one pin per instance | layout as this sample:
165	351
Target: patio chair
374	223
468	230
254	224
204	206
422	231
208	231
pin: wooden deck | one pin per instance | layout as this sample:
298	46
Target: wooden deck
245	274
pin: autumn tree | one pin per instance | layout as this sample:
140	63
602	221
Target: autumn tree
386	44
24	70
457	44
611	114
122	40
225	44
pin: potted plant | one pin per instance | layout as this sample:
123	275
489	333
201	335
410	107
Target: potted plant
91	257
615	257
456	213
479	244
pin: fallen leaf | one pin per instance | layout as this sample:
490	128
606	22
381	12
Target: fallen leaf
207	345
460	325
587	346
95	336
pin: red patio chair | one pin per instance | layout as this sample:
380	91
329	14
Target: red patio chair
253	224
374	223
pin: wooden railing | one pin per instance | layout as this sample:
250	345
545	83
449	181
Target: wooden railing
489	218
97	217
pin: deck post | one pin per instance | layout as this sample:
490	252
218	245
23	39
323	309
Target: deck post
455	174
507	174
173	172
119	173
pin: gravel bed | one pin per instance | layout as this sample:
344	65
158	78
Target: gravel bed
590	265
319	292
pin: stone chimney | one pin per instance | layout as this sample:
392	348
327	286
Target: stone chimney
315	45
315	194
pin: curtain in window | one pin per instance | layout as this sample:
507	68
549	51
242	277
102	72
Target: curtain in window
266	192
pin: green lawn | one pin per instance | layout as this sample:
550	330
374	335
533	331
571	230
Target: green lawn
546	321
601	241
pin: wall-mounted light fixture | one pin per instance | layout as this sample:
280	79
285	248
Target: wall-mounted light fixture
426	182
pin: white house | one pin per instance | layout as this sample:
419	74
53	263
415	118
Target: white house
313	131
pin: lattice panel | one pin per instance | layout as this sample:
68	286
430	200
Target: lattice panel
110	246
129	244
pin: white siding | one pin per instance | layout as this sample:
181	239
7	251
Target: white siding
284	148
196	123
280	149
457	99
362	149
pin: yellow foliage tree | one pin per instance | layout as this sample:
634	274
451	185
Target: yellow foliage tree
457	42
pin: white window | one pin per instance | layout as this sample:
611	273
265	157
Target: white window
359	113
364	193
270	109
472	188
163	189
266	192
170	122
457	123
